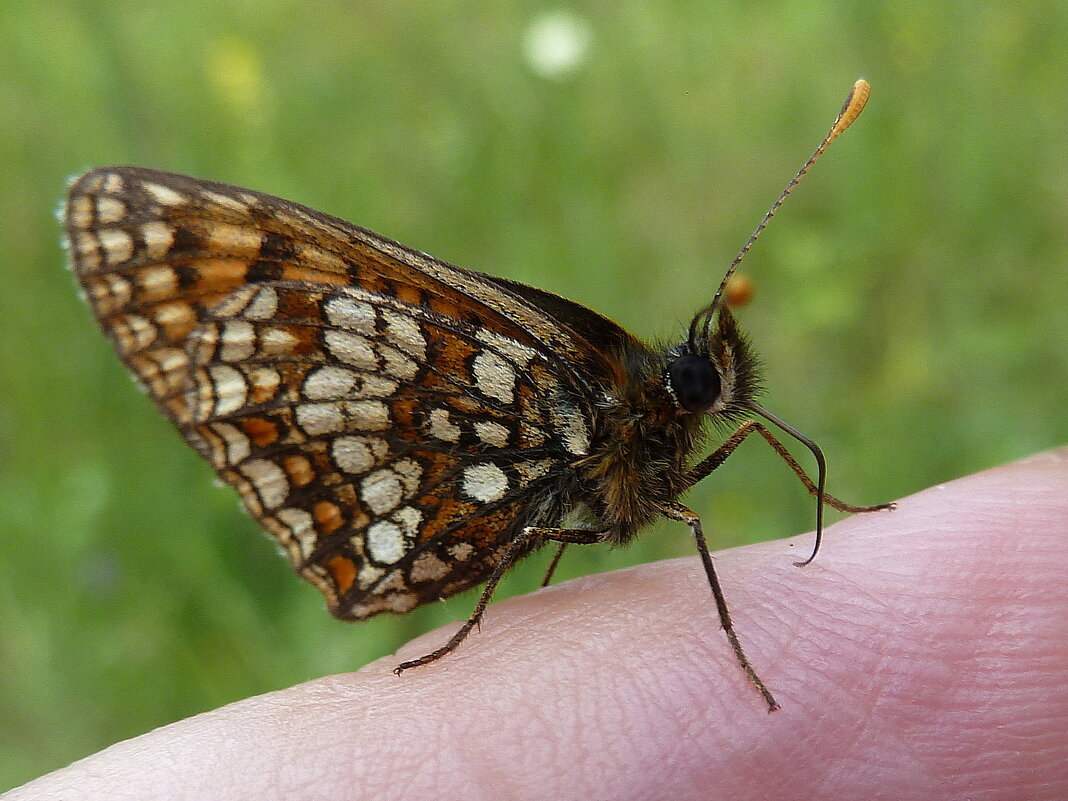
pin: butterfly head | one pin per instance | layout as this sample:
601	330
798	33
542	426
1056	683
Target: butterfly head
715	371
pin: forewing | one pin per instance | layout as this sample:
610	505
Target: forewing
390	419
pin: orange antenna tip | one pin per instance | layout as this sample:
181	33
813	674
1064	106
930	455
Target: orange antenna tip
854	104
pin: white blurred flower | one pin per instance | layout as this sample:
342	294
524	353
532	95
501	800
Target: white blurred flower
557	43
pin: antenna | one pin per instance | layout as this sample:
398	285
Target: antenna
854	104
851	109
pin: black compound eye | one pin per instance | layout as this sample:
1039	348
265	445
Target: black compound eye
695	382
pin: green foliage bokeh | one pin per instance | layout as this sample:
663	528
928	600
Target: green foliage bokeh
910	302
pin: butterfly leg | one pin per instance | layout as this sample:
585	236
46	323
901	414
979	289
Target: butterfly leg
552	565
514	549
565	536
516	546
716	458
676	511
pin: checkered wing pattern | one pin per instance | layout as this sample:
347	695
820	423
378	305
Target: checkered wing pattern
390	419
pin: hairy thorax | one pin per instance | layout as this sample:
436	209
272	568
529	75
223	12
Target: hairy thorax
640	455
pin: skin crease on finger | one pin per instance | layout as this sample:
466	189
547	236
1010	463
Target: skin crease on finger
921	656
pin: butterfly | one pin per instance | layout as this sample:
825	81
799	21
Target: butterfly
404	428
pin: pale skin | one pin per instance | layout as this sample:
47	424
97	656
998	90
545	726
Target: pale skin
923	655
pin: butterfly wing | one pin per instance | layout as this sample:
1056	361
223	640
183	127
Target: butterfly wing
390	419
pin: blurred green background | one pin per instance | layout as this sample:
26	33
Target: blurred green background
910	304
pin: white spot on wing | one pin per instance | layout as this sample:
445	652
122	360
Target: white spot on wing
163	195
531	471
485	482
461	551
84	250
302	528
236	441
157	282
276	342
410	472
334	417
118	245
223	200
428	567
369	415
400	602
404	332
358	454
385	542
158	238
237	341
109	209
235	237
398	364
80	212
229	387
368	575
264	305
269	481
134	332
113	183
516	352
179	314
352	349
330	382
381	491
351	314
320	418
494	376
410	518
441	427
571	424
492	433
376	386
265	381
110	292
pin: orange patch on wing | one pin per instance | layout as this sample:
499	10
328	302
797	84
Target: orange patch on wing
300	470
296	272
216	276
408	294
327	517
262	432
344	572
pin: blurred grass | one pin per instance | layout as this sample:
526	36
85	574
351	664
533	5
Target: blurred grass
910	298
